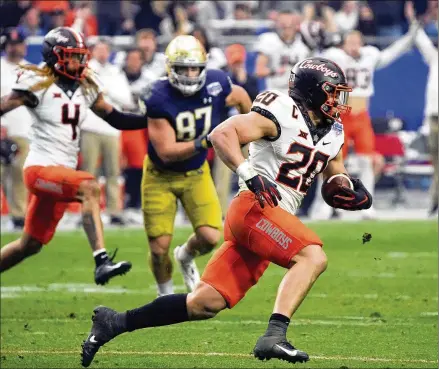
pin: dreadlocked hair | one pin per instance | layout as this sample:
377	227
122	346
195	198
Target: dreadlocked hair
88	83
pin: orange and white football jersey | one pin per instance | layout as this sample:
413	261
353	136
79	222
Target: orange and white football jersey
359	72
56	122
294	158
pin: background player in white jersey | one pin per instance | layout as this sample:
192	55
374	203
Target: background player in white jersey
430	55
15	126
280	50
359	63
58	97
292	138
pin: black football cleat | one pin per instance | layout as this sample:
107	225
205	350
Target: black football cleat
277	347
104	329
108	269
433	210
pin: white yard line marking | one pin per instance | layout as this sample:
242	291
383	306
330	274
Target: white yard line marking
404	255
337	321
207	354
10	292
429	313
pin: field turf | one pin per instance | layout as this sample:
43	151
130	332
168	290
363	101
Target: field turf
375	307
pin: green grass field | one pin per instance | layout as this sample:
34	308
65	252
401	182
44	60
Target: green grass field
375	307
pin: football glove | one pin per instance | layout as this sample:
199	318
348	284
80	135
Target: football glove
202	143
8	151
357	199
264	190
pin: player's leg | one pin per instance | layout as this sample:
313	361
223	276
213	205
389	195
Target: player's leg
279	237
42	217
134	150
364	144
19	195
229	274
111	165
159	205
90	151
201	203
65	185
306	267
433	146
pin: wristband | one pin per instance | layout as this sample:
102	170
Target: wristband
1	112
245	171
200	144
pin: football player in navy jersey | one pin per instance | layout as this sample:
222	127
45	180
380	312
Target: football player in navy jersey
182	109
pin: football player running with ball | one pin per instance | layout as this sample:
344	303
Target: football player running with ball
182	109
292	138
58	97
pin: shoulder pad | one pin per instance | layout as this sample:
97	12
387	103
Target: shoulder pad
26	79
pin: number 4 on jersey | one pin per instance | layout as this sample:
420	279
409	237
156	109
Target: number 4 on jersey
67	119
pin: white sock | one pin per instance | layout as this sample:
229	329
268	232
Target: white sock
166	288
366	172
97	252
367	176
183	255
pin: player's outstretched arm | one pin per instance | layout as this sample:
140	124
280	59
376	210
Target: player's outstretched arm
239	130
227	139
425	46
16	99
162	137
239	98
399	47
358	198
117	119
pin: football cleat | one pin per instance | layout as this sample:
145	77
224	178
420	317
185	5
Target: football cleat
108	269
189	270
104	329
277	347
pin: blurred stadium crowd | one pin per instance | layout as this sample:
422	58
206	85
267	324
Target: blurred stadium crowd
171	18
128	66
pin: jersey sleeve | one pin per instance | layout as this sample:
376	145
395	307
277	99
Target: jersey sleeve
277	107
155	101
373	54
92	94
215	76
27	79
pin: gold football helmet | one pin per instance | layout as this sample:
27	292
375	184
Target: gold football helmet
186	51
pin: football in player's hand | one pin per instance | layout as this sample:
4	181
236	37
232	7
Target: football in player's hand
332	186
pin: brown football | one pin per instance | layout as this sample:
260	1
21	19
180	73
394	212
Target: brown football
332	185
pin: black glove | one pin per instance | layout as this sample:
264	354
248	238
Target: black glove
264	190
202	143
8	151
357	199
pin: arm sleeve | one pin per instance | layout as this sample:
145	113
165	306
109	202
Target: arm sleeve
425	46
23	84
395	50
156	105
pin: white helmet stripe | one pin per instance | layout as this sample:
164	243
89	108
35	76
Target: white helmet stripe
78	36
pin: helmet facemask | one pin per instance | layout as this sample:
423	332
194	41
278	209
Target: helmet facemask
66	55
336	102
187	85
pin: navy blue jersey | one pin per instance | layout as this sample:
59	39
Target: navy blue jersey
190	116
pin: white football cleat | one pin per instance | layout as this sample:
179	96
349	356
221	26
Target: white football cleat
189	270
